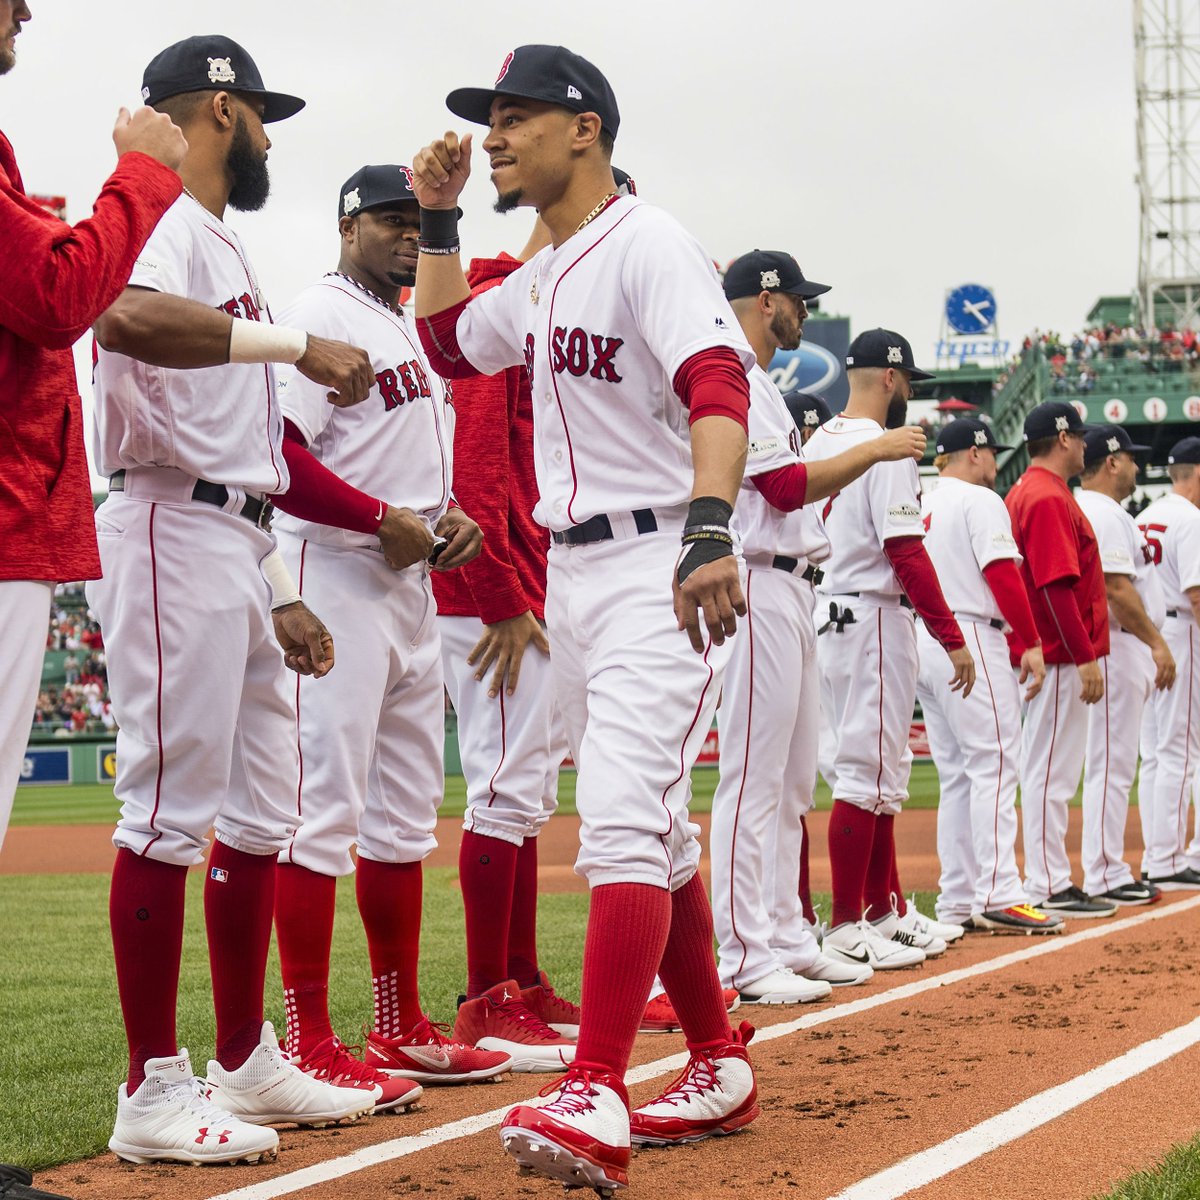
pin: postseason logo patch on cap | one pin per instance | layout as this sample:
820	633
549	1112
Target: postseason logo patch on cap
350	201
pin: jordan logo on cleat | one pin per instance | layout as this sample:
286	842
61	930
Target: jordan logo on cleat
222	1137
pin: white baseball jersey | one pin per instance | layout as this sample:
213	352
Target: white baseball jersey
1123	551
398	443
880	504
1171	527
222	423
964	524
774	443
603	323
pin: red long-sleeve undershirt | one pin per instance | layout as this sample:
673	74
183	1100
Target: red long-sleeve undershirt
785	488
317	494
1060	600
1007	586
917	577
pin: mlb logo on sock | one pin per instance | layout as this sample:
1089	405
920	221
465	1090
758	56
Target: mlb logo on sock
219	874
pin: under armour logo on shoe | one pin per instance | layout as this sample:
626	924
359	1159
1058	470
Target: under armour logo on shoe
221	1137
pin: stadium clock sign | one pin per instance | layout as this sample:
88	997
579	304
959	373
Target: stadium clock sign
970	308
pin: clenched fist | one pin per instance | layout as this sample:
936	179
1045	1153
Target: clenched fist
441	170
345	369
906	442
151	133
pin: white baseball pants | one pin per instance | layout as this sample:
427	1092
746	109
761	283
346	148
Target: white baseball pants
25	619
1171	752
637	703
370	735
206	723
1053	746
1114	725
511	746
976	745
768	723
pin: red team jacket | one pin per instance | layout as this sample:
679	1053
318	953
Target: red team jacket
55	280
1057	544
494	482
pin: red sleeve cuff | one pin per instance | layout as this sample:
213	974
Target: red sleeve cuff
713	383
783	488
439	339
317	494
1064	611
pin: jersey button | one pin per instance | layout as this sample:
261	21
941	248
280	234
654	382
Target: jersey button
558	456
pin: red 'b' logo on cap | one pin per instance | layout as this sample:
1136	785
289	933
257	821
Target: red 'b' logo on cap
408	178
504	66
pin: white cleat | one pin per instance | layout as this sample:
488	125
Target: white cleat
269	1089
836	972
170	1119
891	928
783	986
860	943
916	921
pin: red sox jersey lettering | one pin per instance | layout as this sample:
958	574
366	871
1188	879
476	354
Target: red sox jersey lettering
584	354
402	384
241	306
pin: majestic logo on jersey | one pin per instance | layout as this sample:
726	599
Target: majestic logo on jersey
894	354
980	437
220	71
350	201
579	354
573	93
403	384
408	178
505	65
768	279
1061	424
721	323
241	306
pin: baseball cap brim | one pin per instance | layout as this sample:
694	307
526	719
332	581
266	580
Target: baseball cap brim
916	374
278	105
808	289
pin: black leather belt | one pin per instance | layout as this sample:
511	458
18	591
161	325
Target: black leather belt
599	529
905	602
996	623
1172	612
257	512
812	573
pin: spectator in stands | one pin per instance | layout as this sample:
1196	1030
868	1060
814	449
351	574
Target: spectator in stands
71	668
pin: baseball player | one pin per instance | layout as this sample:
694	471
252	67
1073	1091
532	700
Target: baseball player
877	574
1063	576
1138	662
770	704
188	427
638	374
54	282
975	740
496	659
1170	730
371	738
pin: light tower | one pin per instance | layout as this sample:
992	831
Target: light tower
1166	37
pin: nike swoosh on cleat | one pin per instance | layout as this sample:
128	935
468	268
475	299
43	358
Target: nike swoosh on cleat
864	957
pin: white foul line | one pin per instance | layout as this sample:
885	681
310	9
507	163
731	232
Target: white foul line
381	1152
928	1165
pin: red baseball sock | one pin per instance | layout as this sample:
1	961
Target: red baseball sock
897	890
486	870
239	903
689	969
627	930
304	906
877	892
145	911
810	913
522	929
851	834
389	901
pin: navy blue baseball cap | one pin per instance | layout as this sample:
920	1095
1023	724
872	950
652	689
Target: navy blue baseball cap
552	74
373	187
1052	417
963	433
1102	440
884	348
1185	451
769	271
208	63
808	409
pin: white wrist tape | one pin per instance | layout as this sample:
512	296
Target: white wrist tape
262	342
283	586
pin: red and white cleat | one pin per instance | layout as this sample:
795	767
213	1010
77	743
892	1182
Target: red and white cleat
499	1021
337	1064
579	1134
660	1015
426	1054
544	1002
715	1094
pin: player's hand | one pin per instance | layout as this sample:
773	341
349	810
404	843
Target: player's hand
964	671
151	133
1164	666
713	591
504	643
1091	682
307	644
906	442
464	540
405	538
441	170
1033	668
345	369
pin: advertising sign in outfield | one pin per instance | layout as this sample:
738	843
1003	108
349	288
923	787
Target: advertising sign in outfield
46	764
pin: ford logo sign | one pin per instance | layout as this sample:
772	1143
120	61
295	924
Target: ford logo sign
811	368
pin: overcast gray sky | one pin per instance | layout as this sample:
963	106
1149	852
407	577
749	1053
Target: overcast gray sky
897	149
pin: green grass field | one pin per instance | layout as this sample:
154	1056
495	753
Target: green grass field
1175	1177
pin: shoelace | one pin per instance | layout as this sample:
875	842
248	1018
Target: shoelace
700	1075
576	1090
341	1062
530	1021
1027	910
193	1093
431	1033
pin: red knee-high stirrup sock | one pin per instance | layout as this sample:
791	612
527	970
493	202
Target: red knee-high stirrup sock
239	903
689	969
810	913
145	911
627	930
486	871
304	906
389	902
877	892
851	834
522	929
896	890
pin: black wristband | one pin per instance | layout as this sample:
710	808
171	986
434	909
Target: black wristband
708	510
439	227
706	535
